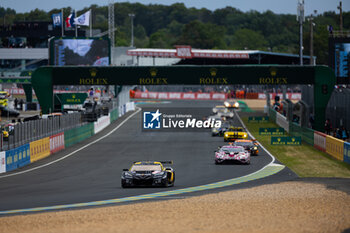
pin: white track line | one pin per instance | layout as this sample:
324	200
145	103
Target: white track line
273	157
72	153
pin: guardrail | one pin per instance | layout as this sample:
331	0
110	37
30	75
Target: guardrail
336	148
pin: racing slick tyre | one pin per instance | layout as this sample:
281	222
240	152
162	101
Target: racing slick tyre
173	183
123	185
166	183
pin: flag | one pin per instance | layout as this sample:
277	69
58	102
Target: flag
83	19
70	20
57	20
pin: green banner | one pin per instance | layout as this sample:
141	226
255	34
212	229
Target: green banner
78	134
258	119
25	80
271	131
288	141
72	98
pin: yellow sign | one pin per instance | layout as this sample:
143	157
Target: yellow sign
335	147
39	149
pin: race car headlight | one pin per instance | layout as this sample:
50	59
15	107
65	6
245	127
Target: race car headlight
127	175
255	148
245	135
215	130
227	104
160	175
236	104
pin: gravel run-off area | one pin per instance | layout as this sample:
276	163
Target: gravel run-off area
285	207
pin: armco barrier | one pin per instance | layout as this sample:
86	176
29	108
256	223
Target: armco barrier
39	149
306	134
78	134
130	106
2	161
272	115
101	123
282	121
335	147
347	152
114	114
320	141
17	157
56	143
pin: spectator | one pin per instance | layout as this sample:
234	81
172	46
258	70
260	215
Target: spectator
91	93
328	126
16	103
338	133
21	104
344	133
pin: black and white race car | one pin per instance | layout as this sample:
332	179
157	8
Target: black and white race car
148	173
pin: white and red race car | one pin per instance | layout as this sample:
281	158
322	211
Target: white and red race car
232	154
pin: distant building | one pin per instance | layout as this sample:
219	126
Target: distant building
185	55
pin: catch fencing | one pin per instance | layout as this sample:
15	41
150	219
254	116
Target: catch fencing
25	132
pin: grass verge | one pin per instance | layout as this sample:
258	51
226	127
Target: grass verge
304	160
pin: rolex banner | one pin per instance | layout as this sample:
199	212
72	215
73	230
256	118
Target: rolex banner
287	141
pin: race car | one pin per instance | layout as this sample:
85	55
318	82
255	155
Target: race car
148	173
232	154
249	145
230	103
234	133
220	131
222	111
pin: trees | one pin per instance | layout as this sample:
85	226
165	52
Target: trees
160	26
203	35
248	39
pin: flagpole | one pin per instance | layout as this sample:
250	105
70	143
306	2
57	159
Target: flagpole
90	22
76	26
62	23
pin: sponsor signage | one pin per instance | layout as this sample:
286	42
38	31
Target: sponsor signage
347	152
335	147
258	119
271	131
72	98
2	162
180	95
56	143
169	75
101	123
184	51
287	141
39	149
17	157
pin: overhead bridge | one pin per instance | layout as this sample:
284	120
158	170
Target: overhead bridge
322	77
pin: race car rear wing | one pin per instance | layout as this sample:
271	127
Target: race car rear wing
166	162
162	162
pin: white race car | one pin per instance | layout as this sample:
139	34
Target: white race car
232	154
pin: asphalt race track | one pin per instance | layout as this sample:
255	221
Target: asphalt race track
93	174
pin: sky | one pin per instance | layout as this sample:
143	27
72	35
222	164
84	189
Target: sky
277	6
